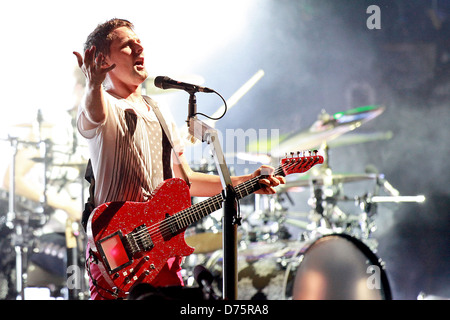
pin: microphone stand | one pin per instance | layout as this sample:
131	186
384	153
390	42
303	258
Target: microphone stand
205	133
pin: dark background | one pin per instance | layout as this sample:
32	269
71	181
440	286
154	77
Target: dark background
313	53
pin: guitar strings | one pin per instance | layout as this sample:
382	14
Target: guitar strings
165	226
184	216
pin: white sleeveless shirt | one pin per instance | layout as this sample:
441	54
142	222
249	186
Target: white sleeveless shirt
126	150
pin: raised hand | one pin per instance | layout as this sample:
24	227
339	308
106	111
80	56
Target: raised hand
94	68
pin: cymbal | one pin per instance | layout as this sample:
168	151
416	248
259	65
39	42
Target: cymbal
71	164
321	180
327	128
205	242
151	89
254	157
31	125
296	214
341	141
298	223
65	164
355	138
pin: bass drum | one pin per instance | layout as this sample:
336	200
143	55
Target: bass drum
332	267
336	267
261	269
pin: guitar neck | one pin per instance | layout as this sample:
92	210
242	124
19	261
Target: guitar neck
253	185
200	210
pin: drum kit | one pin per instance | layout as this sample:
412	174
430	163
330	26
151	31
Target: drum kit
323	254
326	253
39	207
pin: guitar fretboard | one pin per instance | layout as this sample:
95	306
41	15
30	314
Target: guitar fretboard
200	210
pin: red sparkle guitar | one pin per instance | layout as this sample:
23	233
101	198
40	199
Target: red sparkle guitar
132	241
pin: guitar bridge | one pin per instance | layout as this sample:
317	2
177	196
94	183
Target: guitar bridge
139	240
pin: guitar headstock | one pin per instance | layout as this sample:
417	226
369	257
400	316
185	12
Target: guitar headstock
302	162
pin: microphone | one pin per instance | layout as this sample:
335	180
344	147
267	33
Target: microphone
164	82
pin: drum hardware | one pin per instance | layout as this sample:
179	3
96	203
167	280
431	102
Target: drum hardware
324	185
75	239
325	213
24	223
18	240
327	219
7	274
398	199
24	220
266	221
321	179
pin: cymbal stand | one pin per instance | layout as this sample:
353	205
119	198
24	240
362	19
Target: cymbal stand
18	239
369	205
45	149
322	198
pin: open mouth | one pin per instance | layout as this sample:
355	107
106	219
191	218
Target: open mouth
139	63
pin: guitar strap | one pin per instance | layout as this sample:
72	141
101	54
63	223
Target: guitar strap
89	206
167	135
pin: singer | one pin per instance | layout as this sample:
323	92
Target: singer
130	153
